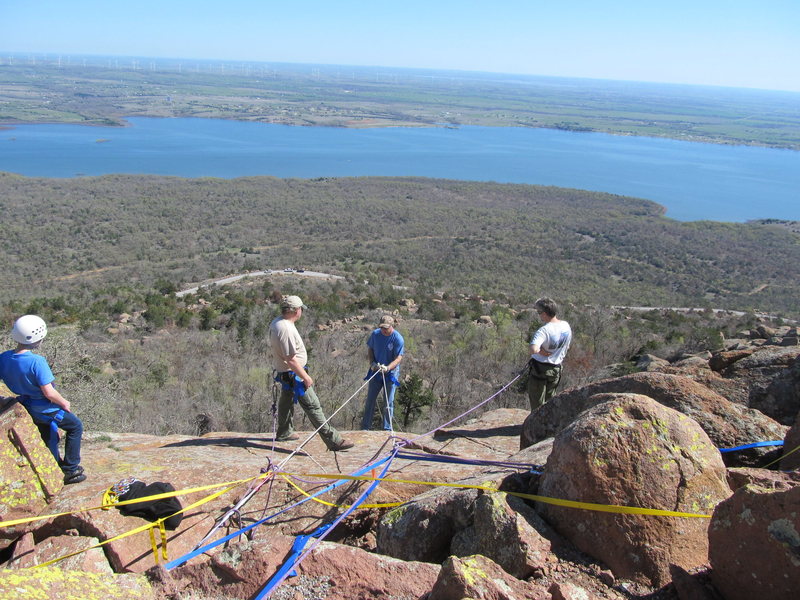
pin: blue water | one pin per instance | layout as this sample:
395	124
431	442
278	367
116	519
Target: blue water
693	181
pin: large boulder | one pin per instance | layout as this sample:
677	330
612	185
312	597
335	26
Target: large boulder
424	528
726	423
771	376
29	475
765	478
755	544
502	531
630	450
723	359
782	400
462	522
84	553
791	447
355	573
479	578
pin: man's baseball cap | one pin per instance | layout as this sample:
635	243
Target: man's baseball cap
292	302
386	322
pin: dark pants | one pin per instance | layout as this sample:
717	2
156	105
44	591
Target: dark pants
73	427
543	380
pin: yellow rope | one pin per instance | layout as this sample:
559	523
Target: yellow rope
612	508
106	504
315	499
781	457
231	485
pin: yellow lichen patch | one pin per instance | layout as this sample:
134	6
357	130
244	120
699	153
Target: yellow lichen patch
472	571
394	515
29	475
662	425
51	582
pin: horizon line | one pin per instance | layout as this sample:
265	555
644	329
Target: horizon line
52	55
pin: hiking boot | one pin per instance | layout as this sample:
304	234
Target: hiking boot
75	476
343	445
292	438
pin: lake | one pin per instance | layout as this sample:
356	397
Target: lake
693	181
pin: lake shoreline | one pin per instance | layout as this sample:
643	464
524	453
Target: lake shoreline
124	122
693	181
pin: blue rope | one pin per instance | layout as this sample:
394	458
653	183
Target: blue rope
190	555
297	553
753	445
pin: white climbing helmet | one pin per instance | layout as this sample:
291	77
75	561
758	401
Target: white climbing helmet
29	329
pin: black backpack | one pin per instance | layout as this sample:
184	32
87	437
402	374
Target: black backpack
152	510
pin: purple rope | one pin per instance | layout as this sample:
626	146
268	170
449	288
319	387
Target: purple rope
464	414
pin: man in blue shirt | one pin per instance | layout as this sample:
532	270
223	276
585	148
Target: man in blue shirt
386	349
29	376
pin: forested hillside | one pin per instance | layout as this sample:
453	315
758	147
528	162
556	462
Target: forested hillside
459	263
84	236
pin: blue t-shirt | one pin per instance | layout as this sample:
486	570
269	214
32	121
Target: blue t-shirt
385	348
24	373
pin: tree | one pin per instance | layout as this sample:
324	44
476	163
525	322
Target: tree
412	397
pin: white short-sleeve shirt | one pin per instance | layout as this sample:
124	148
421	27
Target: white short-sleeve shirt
555	338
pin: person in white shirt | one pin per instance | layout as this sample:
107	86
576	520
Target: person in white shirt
548	348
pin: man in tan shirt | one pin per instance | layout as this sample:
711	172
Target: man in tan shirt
289	360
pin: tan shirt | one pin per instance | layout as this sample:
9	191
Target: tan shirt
285	342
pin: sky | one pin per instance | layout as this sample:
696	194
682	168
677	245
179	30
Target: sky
735	43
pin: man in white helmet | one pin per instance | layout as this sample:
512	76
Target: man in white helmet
29	376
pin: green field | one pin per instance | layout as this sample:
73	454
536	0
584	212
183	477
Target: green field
103	91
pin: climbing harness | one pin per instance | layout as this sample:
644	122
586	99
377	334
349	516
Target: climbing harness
112	494
290	381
